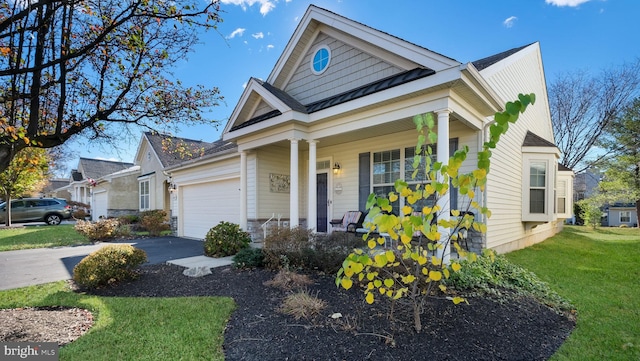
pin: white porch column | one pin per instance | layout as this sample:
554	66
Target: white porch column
294	202
243	190
312	216
443	201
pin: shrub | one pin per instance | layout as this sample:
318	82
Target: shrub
225	239
493	274
330	251
287	281
299	248
80	214
287	247
249	258
110	264
154	221
100	230
129	219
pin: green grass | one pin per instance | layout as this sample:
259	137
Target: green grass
599	272
40	237
181	328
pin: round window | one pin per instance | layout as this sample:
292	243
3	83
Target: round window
321	59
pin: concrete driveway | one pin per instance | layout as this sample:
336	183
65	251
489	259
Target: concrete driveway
35	266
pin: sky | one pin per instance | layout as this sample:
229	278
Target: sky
585	35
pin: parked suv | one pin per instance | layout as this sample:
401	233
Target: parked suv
49	210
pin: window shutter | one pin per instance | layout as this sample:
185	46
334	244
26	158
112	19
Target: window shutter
364	179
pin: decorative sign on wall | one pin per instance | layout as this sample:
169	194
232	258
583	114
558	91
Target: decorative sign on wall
279	183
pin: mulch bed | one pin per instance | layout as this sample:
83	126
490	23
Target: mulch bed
485	329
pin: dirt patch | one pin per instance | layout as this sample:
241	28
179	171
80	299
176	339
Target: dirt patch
44	324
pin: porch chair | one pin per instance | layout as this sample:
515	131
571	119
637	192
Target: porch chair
363	229
351	221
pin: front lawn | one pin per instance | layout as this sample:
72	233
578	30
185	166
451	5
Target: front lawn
40	237
599	271
136	328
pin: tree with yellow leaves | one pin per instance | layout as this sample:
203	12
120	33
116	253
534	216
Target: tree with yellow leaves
414	269
27	169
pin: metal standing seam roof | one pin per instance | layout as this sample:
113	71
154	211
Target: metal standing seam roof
380	85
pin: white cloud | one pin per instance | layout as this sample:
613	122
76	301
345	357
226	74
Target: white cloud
237	32
509	21
265	5
572	3
258	35
270	46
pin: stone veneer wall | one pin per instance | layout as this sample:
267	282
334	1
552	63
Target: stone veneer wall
254	227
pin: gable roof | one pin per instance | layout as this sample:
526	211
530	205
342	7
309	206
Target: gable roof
312	22
490	60
97	168
344	97
533	140
55	183
564	168
167	158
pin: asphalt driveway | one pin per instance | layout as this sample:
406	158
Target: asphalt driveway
35	266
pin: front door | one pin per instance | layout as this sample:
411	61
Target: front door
322	204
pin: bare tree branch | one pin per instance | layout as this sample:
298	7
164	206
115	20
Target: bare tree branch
583	106
70	66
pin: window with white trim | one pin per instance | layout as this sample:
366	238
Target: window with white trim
320	59
537	187
388	166
625	216
386	169
144	194
421	177
562	197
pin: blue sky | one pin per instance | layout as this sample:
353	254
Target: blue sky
590	35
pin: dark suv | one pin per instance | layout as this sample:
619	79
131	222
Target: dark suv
49	210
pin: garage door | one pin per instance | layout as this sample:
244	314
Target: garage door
207	204
99	206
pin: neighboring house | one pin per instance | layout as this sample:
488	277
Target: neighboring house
622	214
115	194
333	123
585	184
57	188
155	153
94	180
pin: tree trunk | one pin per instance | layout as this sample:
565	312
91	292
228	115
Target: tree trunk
417	324
6	154
7	209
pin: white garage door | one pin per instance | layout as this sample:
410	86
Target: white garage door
207	204
99	206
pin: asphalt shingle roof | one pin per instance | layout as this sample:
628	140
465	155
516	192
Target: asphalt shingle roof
196	148
97	168
490	60
533	140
